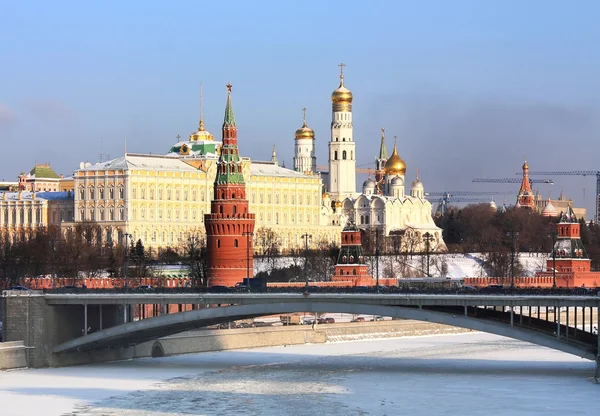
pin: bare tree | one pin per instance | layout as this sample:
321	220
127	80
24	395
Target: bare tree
267	242
196	260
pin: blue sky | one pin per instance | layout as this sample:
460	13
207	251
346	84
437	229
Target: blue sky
470	88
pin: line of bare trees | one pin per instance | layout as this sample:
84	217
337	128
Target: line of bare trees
79	252
478	228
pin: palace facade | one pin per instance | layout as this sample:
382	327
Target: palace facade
162	199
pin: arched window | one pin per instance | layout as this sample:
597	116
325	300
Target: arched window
343	139
235	243
344	155
354	272
341	272
351	154
218	243
233	195
234	209
335	155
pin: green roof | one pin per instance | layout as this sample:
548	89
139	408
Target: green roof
44	171
229	120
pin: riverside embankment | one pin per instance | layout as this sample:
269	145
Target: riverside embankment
205	340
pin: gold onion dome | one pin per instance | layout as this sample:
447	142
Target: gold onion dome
338	204
342	95
395	165
305	132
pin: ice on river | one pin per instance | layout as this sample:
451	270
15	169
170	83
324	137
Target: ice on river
470	374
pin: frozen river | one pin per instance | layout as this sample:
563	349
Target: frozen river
471	374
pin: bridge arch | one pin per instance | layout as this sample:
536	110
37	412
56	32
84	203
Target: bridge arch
152	328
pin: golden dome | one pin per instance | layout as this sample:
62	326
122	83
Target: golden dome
305	132
338	204
342	95
325	195
395	165
525	166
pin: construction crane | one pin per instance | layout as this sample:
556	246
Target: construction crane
466	193
444	201
577	173
514	180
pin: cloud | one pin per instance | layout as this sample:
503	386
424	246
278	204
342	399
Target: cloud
6	115
49	110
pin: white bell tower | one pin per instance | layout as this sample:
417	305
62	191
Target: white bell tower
342	149
305	160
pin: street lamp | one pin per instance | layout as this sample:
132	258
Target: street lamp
306	237
554	235
428	238
248	234
377	258
53	263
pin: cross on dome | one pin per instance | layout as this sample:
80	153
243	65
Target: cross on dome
342	65
229	87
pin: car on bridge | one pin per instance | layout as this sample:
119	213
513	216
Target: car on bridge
18	287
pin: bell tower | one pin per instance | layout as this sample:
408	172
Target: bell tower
229	226
342	149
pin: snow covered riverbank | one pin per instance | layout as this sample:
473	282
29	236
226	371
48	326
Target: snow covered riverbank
469	374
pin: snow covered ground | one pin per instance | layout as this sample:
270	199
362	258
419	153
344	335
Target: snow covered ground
459	265
473	374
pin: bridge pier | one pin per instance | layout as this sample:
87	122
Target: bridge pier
85	319
557	319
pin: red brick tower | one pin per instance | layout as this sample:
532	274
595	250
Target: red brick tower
229	226
569	251
351	263
525	196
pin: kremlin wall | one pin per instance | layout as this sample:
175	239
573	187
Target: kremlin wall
204	189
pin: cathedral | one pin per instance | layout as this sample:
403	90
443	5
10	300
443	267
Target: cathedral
382	205
163	199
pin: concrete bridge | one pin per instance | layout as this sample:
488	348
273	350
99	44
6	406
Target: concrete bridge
58	322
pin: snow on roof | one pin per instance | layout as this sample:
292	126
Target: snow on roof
140	161
270	169
55	196
14	196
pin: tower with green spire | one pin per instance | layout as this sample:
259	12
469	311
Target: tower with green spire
380	161
229	226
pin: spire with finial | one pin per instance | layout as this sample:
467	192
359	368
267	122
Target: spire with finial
525	197
201	123
229	121
382	149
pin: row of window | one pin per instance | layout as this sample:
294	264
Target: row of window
344	155
111	214
22	216
101	193
302	199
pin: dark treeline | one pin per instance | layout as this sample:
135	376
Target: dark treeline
478	228
80	252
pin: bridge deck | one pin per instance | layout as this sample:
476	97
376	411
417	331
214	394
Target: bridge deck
395	299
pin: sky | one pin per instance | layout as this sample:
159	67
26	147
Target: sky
470	88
